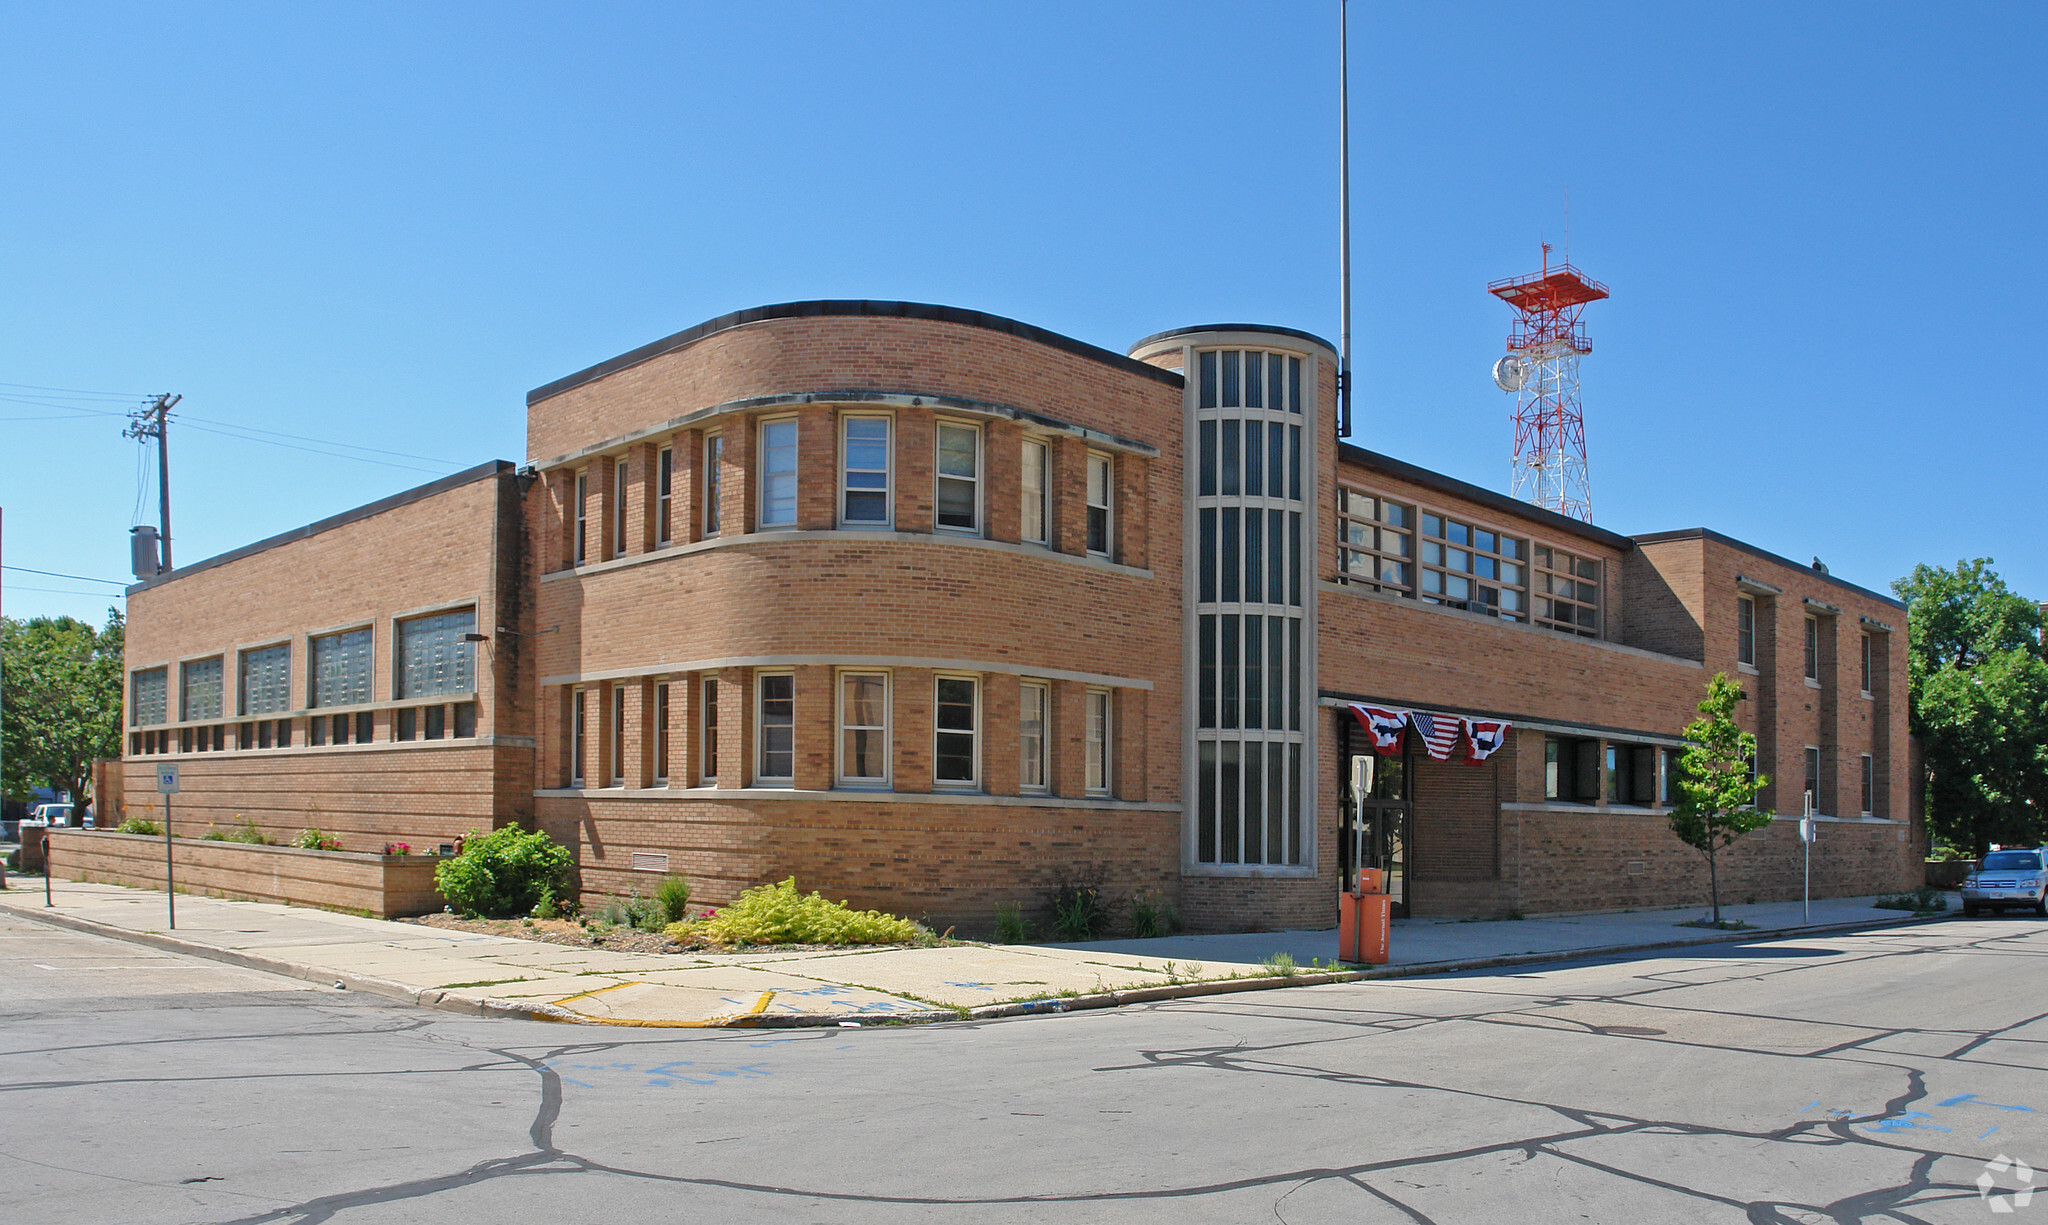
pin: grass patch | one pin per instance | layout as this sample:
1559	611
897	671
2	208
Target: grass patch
778	914
488	982
1926	901
1726	925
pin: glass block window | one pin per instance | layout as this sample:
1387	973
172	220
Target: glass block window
1375	542
1565	591
341	669
199	684
266	680
1473	568
148	698
433	659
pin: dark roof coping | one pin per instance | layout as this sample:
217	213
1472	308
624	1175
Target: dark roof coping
1485	497
467	476
1267	328
1696	533
853	308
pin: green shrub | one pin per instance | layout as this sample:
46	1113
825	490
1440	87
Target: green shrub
314	840
1079	912
546	907
214	833
140	825
778	914
672	895
1151	916
1281	965
1925	901
1010	928
632	911
246	832
502	874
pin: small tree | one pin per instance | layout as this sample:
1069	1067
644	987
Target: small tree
1715	785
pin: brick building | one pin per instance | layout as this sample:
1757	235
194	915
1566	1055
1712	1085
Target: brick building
932	609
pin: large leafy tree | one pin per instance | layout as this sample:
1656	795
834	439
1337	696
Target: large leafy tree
1716	788
1979	688
60	701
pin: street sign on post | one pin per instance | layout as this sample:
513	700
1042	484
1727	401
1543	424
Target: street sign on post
167	786
1807	829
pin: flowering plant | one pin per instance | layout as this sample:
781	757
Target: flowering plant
397	848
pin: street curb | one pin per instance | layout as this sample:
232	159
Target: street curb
429	997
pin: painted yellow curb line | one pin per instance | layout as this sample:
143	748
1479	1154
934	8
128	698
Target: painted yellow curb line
760	1006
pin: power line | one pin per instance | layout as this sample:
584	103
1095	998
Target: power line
83	578
363	459
97	595
432	459
76	391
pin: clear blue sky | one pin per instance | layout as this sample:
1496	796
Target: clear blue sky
380	225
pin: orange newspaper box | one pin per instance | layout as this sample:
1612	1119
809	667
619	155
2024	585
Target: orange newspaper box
1362	921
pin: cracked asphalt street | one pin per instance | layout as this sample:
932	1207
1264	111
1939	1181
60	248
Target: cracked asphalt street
1860	1077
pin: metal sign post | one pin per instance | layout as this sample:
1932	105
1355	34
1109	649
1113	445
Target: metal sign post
1806	832
167	786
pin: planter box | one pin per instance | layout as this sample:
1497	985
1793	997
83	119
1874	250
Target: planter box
1948	873
386	886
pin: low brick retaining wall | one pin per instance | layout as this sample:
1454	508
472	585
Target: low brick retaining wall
1948	873
386	886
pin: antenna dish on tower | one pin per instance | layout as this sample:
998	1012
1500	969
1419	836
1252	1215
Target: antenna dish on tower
1511	373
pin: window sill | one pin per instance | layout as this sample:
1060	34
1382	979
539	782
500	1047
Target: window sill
1866	696
1812	683
1746	669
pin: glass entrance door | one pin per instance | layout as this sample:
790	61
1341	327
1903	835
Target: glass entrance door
1375	832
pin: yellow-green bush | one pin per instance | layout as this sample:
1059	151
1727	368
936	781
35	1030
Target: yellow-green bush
778	914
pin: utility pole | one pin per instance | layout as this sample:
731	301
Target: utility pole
150	422
1344	211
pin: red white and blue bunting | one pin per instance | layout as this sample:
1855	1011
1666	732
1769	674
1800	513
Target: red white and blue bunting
1387	729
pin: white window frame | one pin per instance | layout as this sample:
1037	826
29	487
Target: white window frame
888	518
714	478
615	744
761	776
618	499
579	715
1024	755
840	776
762	481
582	486
939	432
1098	768
1035	468
955	784
1107	505
664	744
664	495
707	731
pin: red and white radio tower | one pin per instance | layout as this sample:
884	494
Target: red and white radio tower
1542	370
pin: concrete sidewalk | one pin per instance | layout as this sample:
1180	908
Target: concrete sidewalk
505	976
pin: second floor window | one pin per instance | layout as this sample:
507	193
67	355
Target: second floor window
1566	591
864	442
435	657
618	500
582	546
1745	630
778	473
959	477
149	694
664	494
1472	568
266	680
1375	541
1035	468
1100	474
199	689
1813	648
341	669
1865	644
714	470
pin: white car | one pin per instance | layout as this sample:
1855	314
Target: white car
2012	878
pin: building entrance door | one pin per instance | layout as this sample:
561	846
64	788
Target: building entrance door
1376	831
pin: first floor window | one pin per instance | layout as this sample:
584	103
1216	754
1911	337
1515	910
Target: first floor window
661	732
1869	785
1667	777
618	739
1031	720
148	695
1097	779
266	680
341	669
1100	472
435	655
199	689
1571	770
863	727
1813	776
956	724
581	704
778	728
710	747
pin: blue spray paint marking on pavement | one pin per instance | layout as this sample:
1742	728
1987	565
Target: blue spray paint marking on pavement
1809	1106
1987	1133
1910	1121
